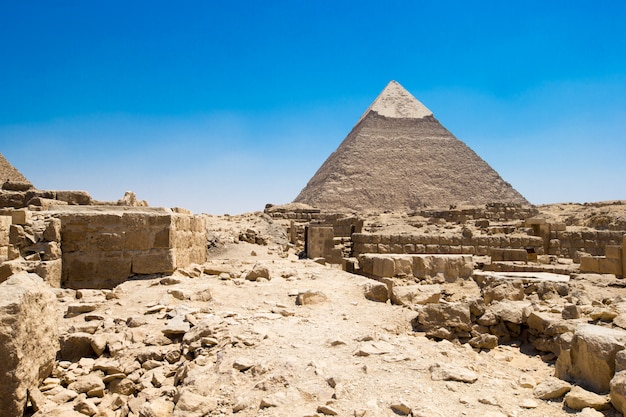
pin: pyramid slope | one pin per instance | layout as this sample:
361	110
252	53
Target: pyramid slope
9	172
403	160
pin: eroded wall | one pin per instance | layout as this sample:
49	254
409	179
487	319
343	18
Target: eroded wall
103	249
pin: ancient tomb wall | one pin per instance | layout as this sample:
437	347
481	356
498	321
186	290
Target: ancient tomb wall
103	249
440	244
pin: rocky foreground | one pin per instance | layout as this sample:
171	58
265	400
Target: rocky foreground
258	332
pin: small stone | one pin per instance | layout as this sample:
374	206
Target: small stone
258	271
589	412
311	297
488	401
552	388
242	364
579	398
133	322
449	373
337	342
373	348
327	410
122	386
90	384
527	381
37	399
63	396
376	291
176	326
86	407
401	408
99	343
529	403
158	407
74	310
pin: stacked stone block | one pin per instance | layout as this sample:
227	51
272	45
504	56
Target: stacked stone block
103	249
493	212
440	244
593	242
430	268
5	225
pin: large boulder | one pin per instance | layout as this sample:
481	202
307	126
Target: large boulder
29	339
591	359
408	295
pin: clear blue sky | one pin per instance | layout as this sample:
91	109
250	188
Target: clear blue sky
223	106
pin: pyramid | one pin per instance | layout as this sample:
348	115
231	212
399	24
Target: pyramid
399	157
9	173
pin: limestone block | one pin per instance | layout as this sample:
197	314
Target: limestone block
52	233
51	272
384	267
589	264
610	266
154	262
163	239
5	227
511	311
138	240
9	268
618	391
21	216
376	291
593	355
613	252
74	197
452	315
408	295
549	324
403	266
28	339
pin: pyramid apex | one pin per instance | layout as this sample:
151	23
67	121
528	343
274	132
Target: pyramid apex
395	102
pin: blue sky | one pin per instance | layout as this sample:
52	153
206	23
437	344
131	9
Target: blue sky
221	107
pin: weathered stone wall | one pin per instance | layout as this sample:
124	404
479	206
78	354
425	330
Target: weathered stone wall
29	339
103	249
440	244
430	268
5	225
593	242
492	211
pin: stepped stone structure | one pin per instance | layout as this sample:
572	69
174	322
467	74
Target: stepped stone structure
399	157
9	173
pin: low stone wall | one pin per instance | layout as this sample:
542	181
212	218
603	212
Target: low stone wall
614	262
440	244
593	242
492	211
104	248
430	268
